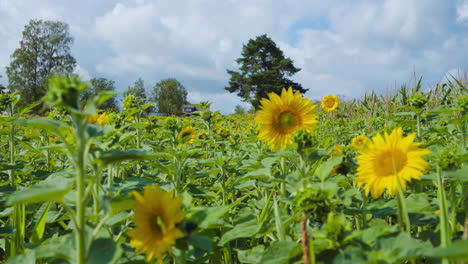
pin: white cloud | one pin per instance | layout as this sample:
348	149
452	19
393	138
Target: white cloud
82	72
344	47
462	11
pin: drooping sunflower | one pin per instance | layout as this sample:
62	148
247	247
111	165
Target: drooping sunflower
280	116
360	141
387	159
156	216
330	103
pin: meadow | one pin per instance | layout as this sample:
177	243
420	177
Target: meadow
380	179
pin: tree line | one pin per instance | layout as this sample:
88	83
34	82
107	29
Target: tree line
45	51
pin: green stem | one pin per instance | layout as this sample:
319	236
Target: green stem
278	223
463	134
402	210
183	256
19	213
444	224
80	192
110	176
418	125
403	218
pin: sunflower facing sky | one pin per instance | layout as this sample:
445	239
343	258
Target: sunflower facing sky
280	116
330	103
156	216
389	158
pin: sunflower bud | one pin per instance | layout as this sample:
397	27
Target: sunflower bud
64	92
418	101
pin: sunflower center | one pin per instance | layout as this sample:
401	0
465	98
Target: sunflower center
329	103
389	162
158	224
185	134
287	121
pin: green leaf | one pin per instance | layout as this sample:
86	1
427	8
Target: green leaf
326	167
46	124
457	175
28	257
405	114
6	231
206	216
252	255
280	252
52	189
457	250
104	250
117	156
38	231
102	97
202	242
246	229
4	166
58	247
121	203
418	203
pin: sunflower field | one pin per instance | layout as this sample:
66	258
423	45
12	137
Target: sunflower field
381	179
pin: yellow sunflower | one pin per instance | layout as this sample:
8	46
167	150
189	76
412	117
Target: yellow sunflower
187	135
280	116
387	159
100	119
330	103
156	216
360	141
201	135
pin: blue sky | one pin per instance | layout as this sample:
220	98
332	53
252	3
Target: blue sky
345	47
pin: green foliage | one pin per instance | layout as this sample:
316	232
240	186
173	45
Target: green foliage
101	85
239	110
263	69
65	92
43	52
68	181
138	90
169	95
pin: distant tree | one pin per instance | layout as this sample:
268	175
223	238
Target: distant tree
2	88
170	96
138	89
44	51
263	69
100	85
239	110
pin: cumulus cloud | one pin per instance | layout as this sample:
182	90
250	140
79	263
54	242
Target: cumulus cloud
82	72
344	47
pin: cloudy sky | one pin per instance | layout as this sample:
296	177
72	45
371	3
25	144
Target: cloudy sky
344	47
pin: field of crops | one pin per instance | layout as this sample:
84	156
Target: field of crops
382	179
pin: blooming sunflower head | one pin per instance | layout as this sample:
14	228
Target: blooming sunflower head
360	141
280	116
330	103
156	216
186	133
390	158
